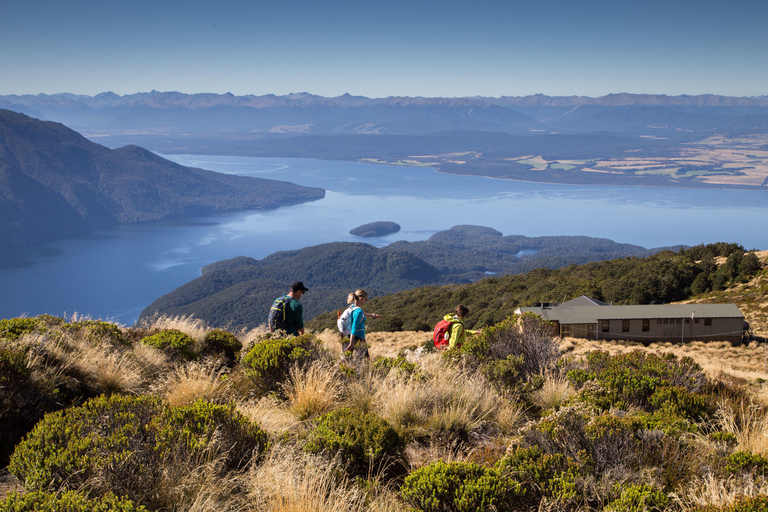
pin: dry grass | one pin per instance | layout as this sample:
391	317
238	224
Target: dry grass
270	414
192	327
746	362
103	367
152	362
313	390
449	400
749	425
556	390
711	490
193	381
291	481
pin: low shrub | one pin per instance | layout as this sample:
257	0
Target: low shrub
385	364
740	462
68	501
681	402
269	361
526	336
172	341
542	475
631	379
132	446
12	328
219	341
98	331
459	487
365	442
639	498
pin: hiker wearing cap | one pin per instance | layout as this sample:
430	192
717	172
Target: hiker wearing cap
358	299
286	312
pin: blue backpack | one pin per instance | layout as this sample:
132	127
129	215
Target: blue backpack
277	313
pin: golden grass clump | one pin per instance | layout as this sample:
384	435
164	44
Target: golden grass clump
189	325
556	390
189	382
749	424
448	399
313	390
105	368
270	414
292	481
719	492
151	361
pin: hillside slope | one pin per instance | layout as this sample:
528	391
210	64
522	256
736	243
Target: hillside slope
239	291
666	276
55	182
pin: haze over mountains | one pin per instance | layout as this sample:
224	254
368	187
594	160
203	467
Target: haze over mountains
178	113
56	183
618	139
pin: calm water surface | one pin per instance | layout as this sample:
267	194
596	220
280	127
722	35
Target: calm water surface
114	274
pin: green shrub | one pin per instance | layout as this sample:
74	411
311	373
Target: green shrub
728	438
365	442
542	475
268	362
459	487
97	331
631	379
68	501
218	341
131	446
681	402
11	329
172	340
386	364
527	336
740	462
193	428
639	498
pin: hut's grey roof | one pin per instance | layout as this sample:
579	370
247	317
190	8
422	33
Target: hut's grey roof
593	314
583	300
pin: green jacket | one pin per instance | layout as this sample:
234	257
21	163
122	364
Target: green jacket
457	334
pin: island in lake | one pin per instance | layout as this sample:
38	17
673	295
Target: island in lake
376	229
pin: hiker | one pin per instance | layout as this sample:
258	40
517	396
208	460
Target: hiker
286	311
355	325
450	331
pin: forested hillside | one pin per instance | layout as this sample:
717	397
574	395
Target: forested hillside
55	182
666	276
238	292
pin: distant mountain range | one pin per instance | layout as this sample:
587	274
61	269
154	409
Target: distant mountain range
174	113
239	291
56	183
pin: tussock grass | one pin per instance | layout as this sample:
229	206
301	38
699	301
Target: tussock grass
192	327
152	362
555	391
747	362
313	390
270	413
292	481
189	382
451	400
105	368
749	424
719	492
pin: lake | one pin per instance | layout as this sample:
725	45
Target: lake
114	274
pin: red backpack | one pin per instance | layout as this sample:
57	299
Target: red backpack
442	334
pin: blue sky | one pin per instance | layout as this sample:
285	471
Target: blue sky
386	48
